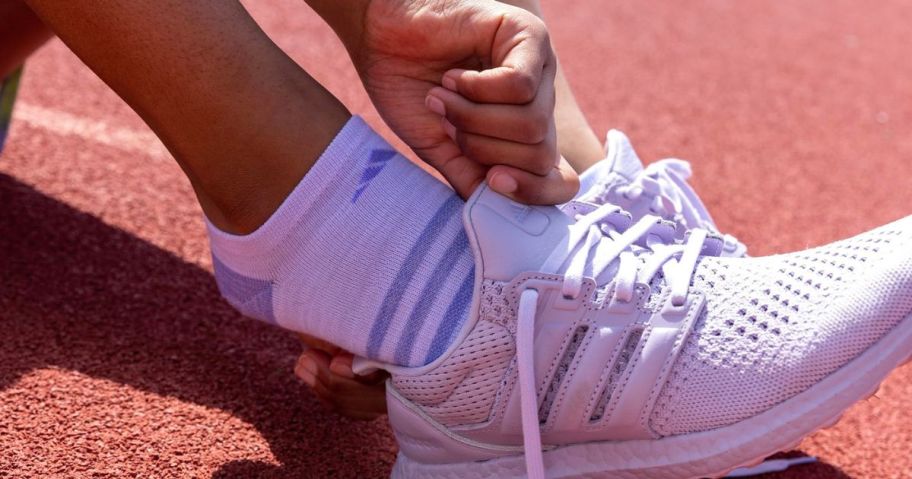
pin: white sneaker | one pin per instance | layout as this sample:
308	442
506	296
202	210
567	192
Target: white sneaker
660	189
602	348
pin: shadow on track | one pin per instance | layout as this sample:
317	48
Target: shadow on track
78	294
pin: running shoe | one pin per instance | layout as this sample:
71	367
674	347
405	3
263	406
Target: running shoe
600	346
659	189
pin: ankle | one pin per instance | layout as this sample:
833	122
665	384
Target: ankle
368	251
241	212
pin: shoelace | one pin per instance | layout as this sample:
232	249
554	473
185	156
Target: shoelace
598	239
664	185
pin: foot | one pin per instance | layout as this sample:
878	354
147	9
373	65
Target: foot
603	347
659	189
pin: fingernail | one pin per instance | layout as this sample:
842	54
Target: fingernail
308	378
449	129
503	183
310	366
341	368
449	81
435	105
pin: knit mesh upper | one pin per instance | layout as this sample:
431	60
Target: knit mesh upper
771	328
775	326
462	390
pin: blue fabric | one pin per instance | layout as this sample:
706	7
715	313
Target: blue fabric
458	248
375	164
455	316
252	297
446	212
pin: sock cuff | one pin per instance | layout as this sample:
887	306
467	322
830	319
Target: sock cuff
350	143
368	251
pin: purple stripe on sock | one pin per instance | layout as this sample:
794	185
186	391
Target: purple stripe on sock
458	249
447	212
375	164
370	173
381	156
459	308
252	297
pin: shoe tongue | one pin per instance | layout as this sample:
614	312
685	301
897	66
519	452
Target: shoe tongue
510	238
621	156
620	159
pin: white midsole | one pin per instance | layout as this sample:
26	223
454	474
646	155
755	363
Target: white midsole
708	453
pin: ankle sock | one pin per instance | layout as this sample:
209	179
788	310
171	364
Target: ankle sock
368	252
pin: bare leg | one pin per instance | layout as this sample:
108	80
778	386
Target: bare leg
575	138
222	108
576	141
21	33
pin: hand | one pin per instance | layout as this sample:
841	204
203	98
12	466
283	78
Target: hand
327	369
469	86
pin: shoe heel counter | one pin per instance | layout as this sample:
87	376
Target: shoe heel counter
424	440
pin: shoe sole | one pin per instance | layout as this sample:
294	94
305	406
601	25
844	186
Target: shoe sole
711	453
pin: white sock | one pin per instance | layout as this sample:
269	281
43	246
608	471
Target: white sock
368	252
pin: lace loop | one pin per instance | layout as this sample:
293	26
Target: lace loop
593	244
664	185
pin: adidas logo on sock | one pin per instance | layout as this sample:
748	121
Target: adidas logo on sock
375	164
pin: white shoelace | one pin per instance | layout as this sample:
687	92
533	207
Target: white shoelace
598	239
664	185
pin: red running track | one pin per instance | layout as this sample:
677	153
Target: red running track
118	359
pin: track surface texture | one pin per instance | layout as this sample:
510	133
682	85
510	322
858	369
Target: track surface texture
118	359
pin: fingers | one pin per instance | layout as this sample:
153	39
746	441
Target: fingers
522	61
338	388
307	366
316	343
539	158
528	124
560	185
341	365
521	147
463	174
502	119
484	135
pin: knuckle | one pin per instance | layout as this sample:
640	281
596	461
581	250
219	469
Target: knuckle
524	86
469	148
546	37
460	116
536	127
540	168
540	163
573	186
533	196
540	31
457	119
